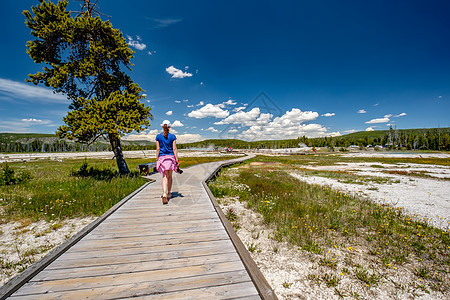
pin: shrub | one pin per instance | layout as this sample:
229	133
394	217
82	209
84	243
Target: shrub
7	176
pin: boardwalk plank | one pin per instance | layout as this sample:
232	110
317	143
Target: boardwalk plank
127	278
98	253
173	288
138	257
112	267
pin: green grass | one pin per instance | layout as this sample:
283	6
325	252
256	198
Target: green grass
348	177
53	193
333	159
319	220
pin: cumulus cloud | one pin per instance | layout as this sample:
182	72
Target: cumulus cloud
247	118
328	115
362	111
136	43
169	113
400	115
148	135
29	92
263	126
177	101
212	129
177	124
201	103
177	73
189	138
239	108
229	102
379	120
370	128
209	110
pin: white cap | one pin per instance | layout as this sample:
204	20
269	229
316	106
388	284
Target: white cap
166	122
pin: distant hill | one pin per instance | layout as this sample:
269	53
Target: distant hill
382	133
421	138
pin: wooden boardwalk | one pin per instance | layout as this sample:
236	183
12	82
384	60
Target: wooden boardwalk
152	251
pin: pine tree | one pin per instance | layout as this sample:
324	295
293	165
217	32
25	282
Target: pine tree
84	57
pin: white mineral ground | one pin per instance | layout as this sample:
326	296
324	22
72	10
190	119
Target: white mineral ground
285	267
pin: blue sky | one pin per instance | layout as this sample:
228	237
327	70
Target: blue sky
258	69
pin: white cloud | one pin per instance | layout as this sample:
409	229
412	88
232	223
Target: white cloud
388	116
36	121
229	102
362	111
239	108
209	110
176	73
350	131
161	23
177	101
23	125
286	126
29	92
177	124
212	129
189	138
185	100
201	103
328	115
379	120
190	106
136	43
169	113
400	115
149	135
247	118
370	128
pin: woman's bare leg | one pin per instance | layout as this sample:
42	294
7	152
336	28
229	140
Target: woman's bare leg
169	183
165	182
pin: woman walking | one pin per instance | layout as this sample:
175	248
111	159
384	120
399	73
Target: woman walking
166	158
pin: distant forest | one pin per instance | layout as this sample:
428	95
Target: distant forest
404	139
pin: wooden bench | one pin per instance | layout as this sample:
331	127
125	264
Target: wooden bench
146	169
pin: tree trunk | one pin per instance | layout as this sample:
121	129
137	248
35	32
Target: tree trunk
117	149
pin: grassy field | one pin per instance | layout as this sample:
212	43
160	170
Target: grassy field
321	221
53	193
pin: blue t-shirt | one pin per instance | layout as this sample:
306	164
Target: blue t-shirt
166	145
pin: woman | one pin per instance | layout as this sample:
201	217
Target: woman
166	158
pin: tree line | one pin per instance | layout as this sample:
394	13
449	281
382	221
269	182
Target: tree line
413	139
